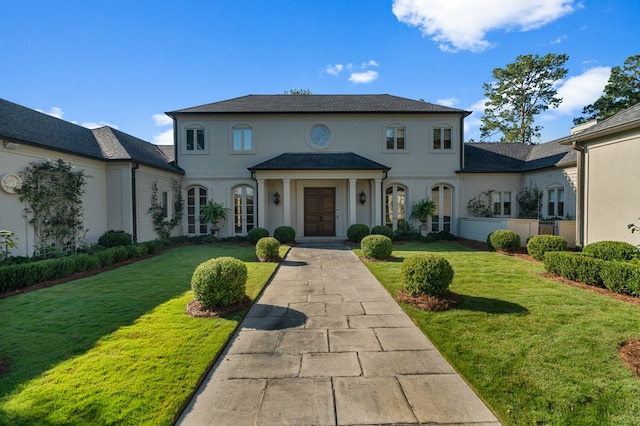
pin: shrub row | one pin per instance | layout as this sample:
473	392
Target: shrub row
17	276
357	231
617	276
611	250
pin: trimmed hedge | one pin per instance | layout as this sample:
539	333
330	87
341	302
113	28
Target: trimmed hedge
426	274
621	277
538	245
611	250
255	234
376	247
574	266
284	234
114	239
504	240
268	248
357	231
219	282
381	230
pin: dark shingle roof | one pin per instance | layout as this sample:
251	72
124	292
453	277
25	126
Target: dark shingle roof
319	161
24	125
496	157
294	104
630	116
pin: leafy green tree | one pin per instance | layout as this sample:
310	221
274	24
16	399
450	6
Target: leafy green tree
522	90
621	92
298	92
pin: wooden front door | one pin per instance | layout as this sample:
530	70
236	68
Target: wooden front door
320	212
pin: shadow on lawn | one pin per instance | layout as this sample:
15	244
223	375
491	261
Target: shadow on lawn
490	306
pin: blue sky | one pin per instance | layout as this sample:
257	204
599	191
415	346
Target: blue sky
124	63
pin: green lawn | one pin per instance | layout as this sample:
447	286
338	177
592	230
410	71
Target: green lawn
115	348
535	350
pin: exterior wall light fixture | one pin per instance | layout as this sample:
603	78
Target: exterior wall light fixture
276	198
362	198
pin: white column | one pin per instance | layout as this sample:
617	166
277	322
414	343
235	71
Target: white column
262	204
352	201
379	202
286	185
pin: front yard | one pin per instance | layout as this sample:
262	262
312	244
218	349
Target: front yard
535	350
115	348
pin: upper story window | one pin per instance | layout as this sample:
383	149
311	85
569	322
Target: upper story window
395	138
501	201
195	140
242	139
555	202
442	138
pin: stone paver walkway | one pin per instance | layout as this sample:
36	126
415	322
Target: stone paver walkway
325	344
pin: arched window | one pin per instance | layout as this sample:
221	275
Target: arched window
196	198
244	216
442	196
395	206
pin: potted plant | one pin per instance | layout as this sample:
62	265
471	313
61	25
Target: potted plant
423	210
212	213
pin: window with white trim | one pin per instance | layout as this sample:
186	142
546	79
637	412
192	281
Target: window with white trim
555	202
442	138
395	206
196	198
395	138
244	215
165	203
242	139
501	202
195	139
442	197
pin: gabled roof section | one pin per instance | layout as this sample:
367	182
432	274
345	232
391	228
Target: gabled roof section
497	157
25	125
627	119
299	104
319	161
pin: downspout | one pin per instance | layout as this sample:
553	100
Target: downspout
134	198
580	195
461	141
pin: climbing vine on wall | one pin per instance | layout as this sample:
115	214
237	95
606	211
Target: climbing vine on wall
53	192
161	224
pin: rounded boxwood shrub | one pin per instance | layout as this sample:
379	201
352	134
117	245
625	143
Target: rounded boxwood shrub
115	239
255	234
611	250
219	282
284	234
504	240
382	230
357	231
538	245
376	247
268	248
426	274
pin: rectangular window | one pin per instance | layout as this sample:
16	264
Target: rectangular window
243	139
395	138
497	204
560	202
442	138
502	203
165	204
551	203
195	140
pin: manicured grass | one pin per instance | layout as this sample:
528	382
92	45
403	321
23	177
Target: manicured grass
115	348
535	350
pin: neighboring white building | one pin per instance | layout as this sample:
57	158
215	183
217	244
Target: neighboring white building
318	163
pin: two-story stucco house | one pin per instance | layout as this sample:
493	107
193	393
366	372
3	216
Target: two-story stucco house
320	163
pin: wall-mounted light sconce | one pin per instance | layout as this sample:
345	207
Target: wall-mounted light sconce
362	198
276	198
11	145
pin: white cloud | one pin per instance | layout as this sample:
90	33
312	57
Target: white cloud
97	124
583	89
363	77
463	24
559	39
334	69
54	112
449	102
162	119
163	138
